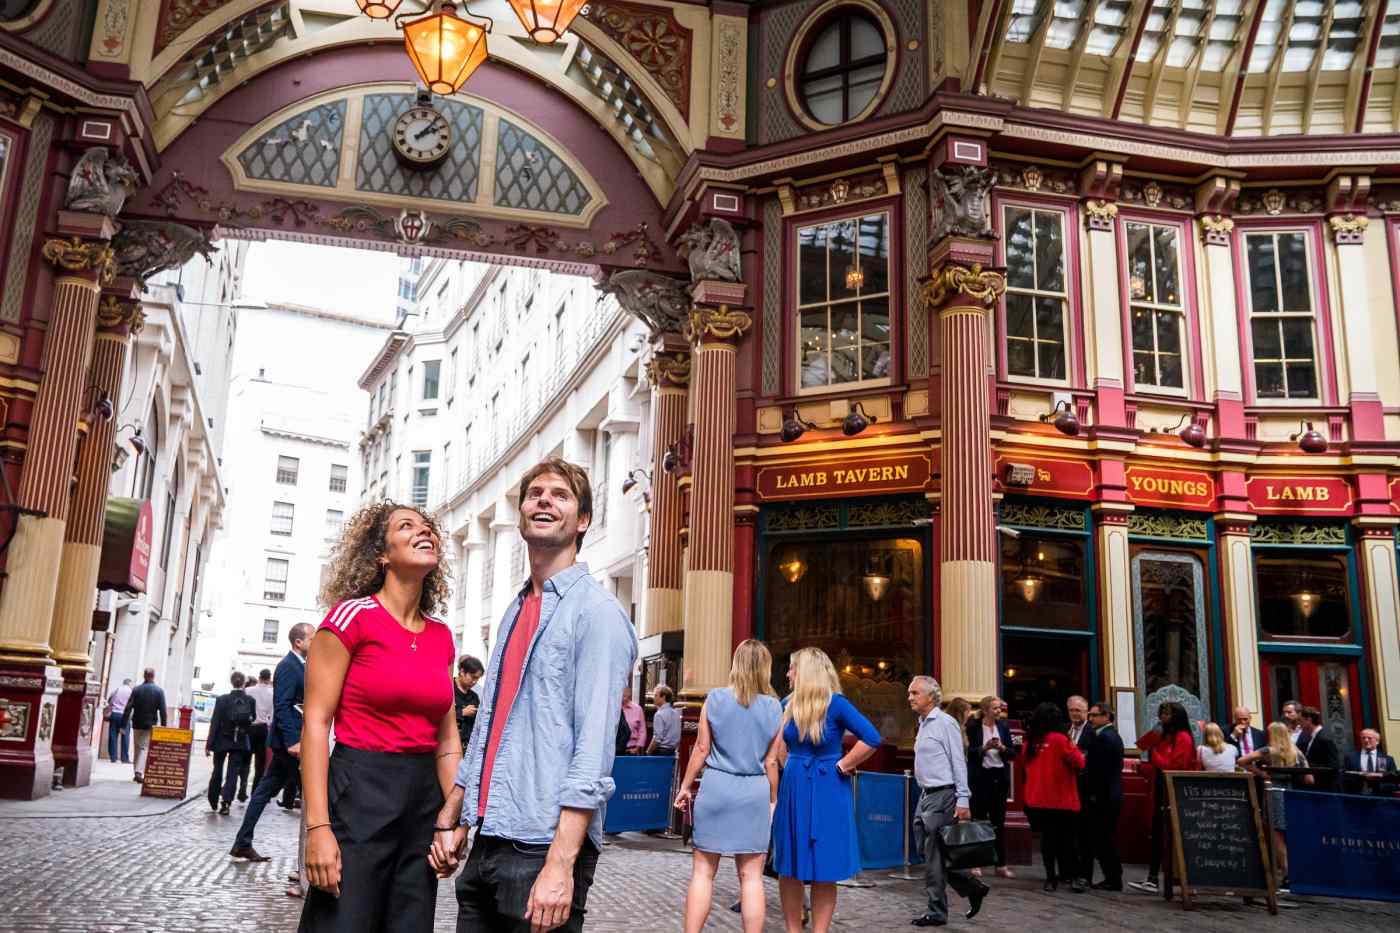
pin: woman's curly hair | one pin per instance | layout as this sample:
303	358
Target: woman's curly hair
354	570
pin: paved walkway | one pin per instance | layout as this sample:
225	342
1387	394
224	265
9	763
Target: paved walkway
170	873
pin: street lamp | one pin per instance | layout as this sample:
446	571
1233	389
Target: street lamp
1062	418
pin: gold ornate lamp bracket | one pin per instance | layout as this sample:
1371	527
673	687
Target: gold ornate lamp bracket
78	255
983	286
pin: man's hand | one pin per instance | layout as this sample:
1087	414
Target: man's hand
469	711
551	897
207	752
962	813
445	854
294	750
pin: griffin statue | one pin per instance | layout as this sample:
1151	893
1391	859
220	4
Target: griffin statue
145	247
712	251
960	202
661	302
100	183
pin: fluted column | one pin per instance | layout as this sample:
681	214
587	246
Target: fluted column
715	332
1240	622
1381	597
960	292
1115	594
669	374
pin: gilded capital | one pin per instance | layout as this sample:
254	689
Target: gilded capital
1099	215
720	323
113	314
1348	228
1215	231
982	286
669	370
78	255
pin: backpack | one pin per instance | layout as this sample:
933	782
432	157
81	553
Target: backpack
241	712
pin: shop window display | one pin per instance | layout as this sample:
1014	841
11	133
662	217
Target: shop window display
1302	595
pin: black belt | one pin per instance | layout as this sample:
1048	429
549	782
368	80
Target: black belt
736	773
934	790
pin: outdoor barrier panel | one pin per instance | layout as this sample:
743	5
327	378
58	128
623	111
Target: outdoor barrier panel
884	811
643	797
1343	845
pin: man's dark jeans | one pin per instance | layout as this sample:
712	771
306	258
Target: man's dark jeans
494	887
115	727
258	733
224	778
284	769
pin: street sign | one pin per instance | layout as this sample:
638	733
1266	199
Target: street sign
167	771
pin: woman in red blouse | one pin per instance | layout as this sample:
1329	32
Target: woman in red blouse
1052	794
1170	747
379	669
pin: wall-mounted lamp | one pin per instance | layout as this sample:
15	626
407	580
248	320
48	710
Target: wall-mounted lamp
857	420
1062	418
635	476
794	426
677	455
1193	435
119	452
1308	439
670	460
101	407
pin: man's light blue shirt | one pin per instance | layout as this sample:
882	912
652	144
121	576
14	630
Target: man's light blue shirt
666	727
559	740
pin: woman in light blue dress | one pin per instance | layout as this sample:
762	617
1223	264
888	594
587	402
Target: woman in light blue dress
737	746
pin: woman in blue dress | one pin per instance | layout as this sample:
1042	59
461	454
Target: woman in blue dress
814	824
738	747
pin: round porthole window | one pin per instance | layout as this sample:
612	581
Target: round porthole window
11	10
841	65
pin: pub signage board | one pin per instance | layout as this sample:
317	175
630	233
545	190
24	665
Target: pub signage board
1170	488
1218	842
167	771
1052	476
833	477
1292	495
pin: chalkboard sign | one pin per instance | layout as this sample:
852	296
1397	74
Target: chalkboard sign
167	771
1218	836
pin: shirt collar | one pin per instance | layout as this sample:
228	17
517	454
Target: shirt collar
299	657
561	581
932	715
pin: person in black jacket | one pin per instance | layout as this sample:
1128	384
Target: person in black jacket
145	708
1081	733
1103	781
230	742
990	750
284	738
1242	734
469	673
1319	750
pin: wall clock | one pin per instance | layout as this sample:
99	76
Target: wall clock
421	136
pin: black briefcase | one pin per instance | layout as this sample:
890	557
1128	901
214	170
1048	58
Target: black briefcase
968	844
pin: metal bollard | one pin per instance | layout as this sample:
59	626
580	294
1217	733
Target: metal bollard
904	873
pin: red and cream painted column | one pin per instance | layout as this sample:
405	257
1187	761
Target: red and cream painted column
715	328
83	257
118	317
960	292
1381	597
669	374
1241	613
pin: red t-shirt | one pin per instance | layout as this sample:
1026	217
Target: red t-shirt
395	695
512	670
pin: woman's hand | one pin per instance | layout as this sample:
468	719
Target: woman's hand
323	860
684	799
445	854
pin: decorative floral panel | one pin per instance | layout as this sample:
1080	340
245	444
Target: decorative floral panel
803	518
1029	515
531	176
302	150
1314	533
178	15
899	514
1150	523
655	38
379	170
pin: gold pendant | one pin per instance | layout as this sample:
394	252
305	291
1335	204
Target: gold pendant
414	645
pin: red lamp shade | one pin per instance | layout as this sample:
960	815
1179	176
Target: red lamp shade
378	9
546	20
445	49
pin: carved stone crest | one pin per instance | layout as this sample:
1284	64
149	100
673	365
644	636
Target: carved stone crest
45	722
14	720
960	202
100	183
660	301
712	251
146	247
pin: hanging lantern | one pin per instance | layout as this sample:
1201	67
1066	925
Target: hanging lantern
378	9
791	565
855	278
877	584
444	48
1029	586
1307	602
546	20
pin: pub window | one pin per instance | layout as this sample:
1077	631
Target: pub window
282	513
1302	594
843	68
1281	325
287	470
843	274
1042	581
275	579
1036	293
1158	319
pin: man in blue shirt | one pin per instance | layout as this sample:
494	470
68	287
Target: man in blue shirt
665	723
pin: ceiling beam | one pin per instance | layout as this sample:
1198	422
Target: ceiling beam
1037	51
1120	67
995	42
1236	72
1359	81
1159	64
1276	72
1193	69
1315	70
1076	53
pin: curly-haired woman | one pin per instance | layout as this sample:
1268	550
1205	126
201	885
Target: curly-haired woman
380	670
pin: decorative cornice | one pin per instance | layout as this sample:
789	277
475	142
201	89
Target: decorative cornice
78	255
307	438
670	369
1100	215
953	278
1348	229
113	314
717	324
1215	231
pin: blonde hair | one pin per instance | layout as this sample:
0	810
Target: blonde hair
814	681
1282	752
959	709
1214	738
751	672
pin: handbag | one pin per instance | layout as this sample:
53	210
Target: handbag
968	844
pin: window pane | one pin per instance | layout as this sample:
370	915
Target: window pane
431	371
1049	252
1168	331
1266	339
842	256
875	253
1170	366
1303	594
826	48
1049	319
1169	606
1020	357
875	360
1293	265
1268	380
1020	264
1166	272
1018	316
825	107
865	84
1139	263
1262	289
1043	582
875	319
1142	329
1144	371
1302	382
811	264
815	371
866	40
845	326
1297	338
1052	361
845	363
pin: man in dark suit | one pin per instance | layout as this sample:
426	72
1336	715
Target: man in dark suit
1320	751
1242	733
1370	761
229	741
284	738
1103	772
1081	734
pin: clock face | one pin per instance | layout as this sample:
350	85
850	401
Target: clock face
422	136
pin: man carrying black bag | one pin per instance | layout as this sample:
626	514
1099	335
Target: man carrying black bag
940	767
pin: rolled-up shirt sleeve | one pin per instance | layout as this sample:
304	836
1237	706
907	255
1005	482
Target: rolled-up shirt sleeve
603	659
953	735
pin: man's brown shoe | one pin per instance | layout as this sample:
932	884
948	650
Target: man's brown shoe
248	853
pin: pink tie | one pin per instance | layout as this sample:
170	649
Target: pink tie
1247	746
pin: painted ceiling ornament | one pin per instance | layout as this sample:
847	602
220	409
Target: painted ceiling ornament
981	285
655	38
1032	177
1348	229
78	255
1274	201
712	251
146	247
1099	215
668	369
1152	194
178	15
662	302
1216	230
960	199
720	323
100	183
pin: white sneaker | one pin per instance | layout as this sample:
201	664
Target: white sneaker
1146	886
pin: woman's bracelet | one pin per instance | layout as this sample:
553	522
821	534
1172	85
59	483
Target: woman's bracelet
317	826
445	829
446	754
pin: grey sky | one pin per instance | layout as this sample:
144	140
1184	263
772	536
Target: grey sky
360	282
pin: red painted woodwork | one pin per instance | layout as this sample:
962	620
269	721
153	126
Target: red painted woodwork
1170	488
1307	668
1300	495
1053	476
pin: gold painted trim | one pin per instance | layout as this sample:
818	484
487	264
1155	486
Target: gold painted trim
20	25
790	62
345	189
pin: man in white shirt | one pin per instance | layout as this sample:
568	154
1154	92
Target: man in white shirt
940	767
261	692
1293	719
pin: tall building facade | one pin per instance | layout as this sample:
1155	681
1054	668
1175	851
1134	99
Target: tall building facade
496	368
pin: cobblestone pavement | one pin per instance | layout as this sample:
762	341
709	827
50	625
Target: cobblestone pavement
171	873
